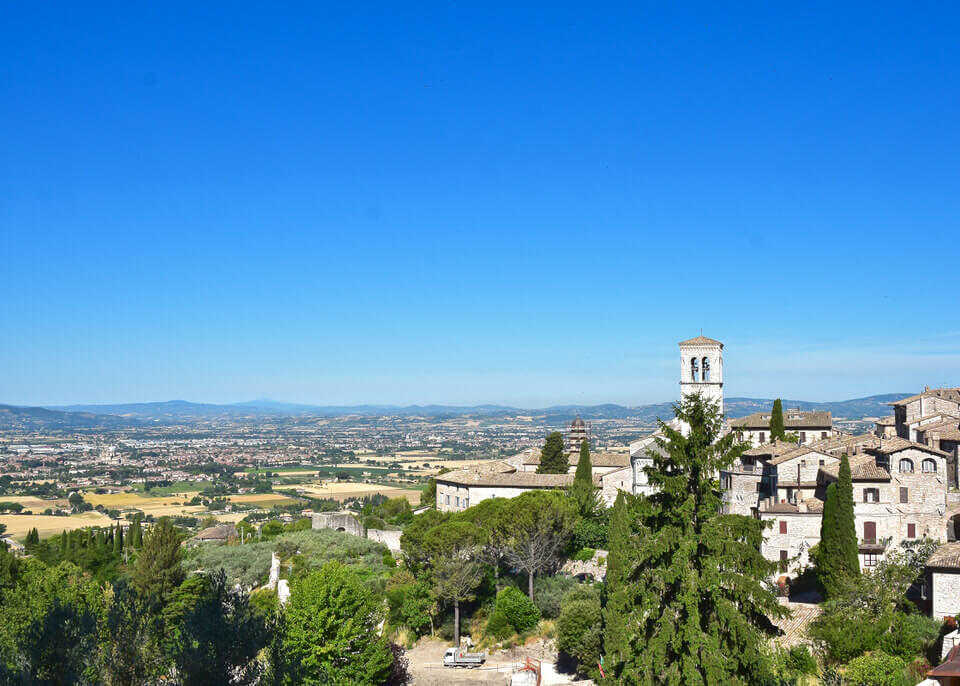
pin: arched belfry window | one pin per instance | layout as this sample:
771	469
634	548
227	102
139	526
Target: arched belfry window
706	369
694	369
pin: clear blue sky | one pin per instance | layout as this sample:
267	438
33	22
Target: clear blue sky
463	202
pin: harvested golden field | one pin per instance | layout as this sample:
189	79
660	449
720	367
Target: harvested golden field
19	525
264	499
30	502
342	491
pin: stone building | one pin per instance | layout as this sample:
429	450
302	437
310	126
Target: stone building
701	372
900	493
578	432
808	426
942	581
459	489
929	407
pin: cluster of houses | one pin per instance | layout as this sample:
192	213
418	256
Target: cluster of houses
905	476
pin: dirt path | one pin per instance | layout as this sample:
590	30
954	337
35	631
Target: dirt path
426	666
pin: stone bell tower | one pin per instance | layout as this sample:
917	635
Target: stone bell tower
701	368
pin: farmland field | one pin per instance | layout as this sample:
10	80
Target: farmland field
342	491
19	525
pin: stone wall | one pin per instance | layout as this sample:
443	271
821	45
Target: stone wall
391	539
803	532
338	521
945	588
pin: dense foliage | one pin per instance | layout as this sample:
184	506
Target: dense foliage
693	600
553	458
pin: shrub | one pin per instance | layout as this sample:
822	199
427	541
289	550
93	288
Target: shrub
548	592
876	669
499	626
909	636
800	661
589	533
583	555
579	629
845	636
518	609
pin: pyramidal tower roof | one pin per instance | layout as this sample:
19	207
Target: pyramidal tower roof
701	340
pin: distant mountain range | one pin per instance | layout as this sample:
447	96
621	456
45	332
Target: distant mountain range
131	415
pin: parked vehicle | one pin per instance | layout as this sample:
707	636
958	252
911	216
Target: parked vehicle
455	657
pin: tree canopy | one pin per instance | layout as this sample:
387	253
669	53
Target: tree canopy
553	458
693	598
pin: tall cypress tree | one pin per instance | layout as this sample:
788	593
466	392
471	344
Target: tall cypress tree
118	540
583	490
826	560
697	604
777	430
553	460
846	524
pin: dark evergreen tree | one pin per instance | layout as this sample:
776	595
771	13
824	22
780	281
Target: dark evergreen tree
135	534
826	550
698	607
777	430
158	570
846	524
619	594
118	540
583	490
553	459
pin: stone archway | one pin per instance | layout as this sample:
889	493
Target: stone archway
340	528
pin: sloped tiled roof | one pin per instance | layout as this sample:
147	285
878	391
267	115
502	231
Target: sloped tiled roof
502	474
770	450
701	340
809	419
862	468
889	446
947	555
846	443
945	393
798	451
596	459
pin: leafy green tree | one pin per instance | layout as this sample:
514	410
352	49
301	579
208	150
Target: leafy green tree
542	525
213	634
580	627
877	669
495	517
777	430
455	550
9	568
518	609
330	632
410	602
130	654
699	600
48	626
135	533
158	569
553	459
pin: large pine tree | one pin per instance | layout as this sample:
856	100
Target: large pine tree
553	459
777	430
619	594
696	605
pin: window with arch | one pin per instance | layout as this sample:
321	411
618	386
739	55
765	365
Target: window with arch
706	369
929	466
906	466
694	369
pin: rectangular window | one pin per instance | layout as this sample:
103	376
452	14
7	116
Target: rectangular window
763	437
871	495
870	560
783	527
448	500
821	463
759	487
783	555
803	436
904	494
911	530
870	532
456	501
466	502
